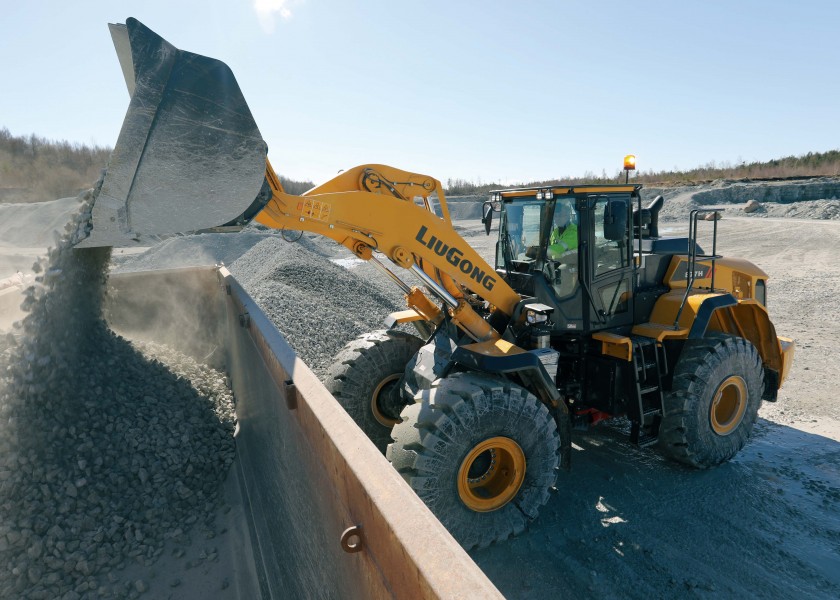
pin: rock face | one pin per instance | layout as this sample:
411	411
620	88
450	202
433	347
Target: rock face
106	448
809	199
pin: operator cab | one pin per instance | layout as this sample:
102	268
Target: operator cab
570	248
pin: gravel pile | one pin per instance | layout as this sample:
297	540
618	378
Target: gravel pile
316	304
191	251
107	450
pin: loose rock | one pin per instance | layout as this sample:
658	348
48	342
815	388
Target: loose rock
88	477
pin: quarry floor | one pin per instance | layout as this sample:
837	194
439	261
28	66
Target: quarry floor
624	523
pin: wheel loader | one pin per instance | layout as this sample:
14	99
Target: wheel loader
588	314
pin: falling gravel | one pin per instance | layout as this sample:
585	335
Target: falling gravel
107	450
316	304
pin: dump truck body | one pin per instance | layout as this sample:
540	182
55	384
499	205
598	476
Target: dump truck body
316	490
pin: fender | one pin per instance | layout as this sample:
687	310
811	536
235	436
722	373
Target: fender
502	357
722	312
705	312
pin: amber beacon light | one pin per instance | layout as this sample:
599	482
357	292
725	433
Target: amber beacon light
629	165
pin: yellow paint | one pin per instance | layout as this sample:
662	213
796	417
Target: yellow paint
376	207
734	275
729	404
659	331
495	348
747	319
614	345
420	303
786	349
491	474
406	316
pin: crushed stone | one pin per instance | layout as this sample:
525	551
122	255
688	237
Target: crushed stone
107	450
190	251
316	304
817	198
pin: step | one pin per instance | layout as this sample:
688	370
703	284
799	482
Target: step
647	440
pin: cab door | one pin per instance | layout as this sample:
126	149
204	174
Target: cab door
606	260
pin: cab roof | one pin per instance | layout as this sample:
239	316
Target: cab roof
564	190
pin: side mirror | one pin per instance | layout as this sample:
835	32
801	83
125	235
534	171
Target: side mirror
615	220
654	208
487	214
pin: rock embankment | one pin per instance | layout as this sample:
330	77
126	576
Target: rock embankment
803	199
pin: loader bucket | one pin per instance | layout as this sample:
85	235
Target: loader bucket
189	156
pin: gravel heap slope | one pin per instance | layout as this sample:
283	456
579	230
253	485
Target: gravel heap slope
105	452
316	304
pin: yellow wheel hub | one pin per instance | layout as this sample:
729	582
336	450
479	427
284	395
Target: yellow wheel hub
374	402
728	405
491	474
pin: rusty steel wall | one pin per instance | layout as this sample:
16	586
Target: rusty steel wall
328	515
311	475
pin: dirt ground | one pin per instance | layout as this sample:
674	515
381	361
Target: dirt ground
626	524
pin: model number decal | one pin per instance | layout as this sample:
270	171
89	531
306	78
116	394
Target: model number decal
700	271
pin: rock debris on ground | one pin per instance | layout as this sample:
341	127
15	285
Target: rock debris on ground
107	450
805	199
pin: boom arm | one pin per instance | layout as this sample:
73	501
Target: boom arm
190	157
376	207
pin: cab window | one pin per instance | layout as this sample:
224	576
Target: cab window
609	253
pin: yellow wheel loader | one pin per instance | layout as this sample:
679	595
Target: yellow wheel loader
587	313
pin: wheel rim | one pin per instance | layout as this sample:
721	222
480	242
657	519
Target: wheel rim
491	474
729	405
375	397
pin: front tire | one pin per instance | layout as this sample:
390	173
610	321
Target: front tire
365	379
481	452
714	401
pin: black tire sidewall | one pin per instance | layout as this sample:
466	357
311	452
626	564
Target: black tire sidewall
360	367
471	409
687	430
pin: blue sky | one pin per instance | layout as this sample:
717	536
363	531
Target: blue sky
485	91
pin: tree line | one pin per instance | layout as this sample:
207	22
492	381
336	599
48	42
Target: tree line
33	168
812	164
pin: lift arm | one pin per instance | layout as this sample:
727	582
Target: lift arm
376	207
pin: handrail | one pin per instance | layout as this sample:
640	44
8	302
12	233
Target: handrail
691	268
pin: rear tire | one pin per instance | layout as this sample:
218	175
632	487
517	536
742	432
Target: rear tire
714	401
366	380
481	452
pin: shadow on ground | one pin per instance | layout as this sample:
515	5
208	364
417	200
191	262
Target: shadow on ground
626	523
